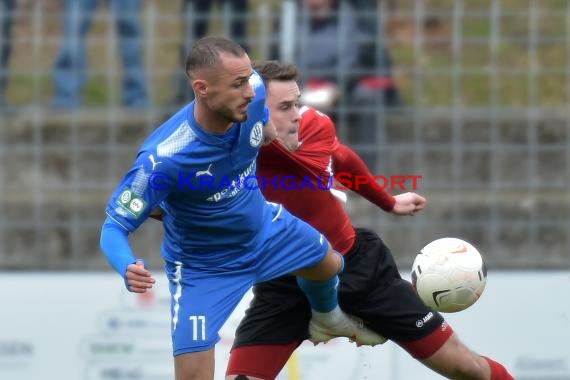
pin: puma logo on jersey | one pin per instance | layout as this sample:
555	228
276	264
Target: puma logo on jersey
200	173
153	162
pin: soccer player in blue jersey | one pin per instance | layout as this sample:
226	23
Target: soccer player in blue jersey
220	234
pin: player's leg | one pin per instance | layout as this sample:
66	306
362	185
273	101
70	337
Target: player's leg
297	248
275	323
129	28
295	245
328	321
328	267
7	16
259	362
372	289
200	305
195	365
456	361
69	74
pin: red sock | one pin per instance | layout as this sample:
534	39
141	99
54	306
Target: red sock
498	372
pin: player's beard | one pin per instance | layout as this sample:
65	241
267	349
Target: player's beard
233	116
241	117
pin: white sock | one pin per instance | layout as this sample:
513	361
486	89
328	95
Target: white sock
329	317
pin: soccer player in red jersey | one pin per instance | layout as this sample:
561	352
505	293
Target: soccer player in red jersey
294	170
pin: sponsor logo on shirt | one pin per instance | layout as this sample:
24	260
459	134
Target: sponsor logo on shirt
424	320
153	162
130	202
235	186
207	172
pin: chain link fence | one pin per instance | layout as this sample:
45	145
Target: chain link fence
483	118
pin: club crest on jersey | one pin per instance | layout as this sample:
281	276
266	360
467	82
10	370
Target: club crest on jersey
256	134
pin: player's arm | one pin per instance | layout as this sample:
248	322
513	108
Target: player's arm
115	245
345	160
134	199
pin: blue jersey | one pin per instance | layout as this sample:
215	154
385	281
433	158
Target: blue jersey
213	210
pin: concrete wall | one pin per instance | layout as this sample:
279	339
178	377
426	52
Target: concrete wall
72	326
499	182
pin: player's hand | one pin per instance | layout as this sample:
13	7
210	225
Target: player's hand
408	204
138	279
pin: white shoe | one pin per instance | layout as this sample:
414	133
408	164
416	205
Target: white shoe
326	326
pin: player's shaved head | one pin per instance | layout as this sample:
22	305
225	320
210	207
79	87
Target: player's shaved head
205	53
274	70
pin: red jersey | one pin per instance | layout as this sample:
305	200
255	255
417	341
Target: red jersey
301	180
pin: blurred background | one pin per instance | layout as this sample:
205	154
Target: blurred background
472	96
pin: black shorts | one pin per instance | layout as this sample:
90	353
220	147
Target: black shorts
370	288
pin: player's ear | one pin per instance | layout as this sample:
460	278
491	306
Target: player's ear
200	87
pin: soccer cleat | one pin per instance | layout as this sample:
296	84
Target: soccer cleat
326	326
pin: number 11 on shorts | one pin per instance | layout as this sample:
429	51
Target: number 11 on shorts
198	320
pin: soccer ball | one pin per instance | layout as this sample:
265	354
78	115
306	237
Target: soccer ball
449	275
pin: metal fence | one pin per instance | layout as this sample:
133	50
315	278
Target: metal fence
484	119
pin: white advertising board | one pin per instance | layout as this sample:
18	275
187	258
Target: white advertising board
73	326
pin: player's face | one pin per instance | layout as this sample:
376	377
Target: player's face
283	103
229	91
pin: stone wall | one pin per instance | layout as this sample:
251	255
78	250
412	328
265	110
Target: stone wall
497	180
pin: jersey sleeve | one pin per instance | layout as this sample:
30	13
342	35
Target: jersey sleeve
256	83
346	161
114	243
330	132
142	189
318	128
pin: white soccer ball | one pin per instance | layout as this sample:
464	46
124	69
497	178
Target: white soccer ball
449	274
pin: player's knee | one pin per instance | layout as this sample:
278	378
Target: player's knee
327	268
336	261
332	265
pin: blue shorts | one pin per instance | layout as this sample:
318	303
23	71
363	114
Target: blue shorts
202	301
